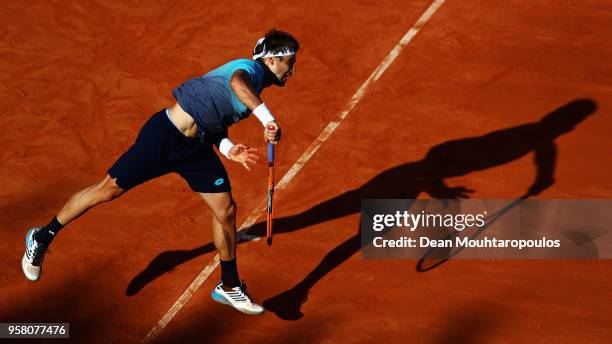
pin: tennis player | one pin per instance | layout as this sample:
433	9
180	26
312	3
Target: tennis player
180	139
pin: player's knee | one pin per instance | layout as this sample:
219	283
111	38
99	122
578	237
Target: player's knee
108	190
110	194
227	213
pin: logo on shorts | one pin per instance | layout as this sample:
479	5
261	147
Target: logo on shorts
219	181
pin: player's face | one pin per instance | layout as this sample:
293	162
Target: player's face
283	68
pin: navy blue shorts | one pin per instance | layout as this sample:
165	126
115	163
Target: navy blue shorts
161	148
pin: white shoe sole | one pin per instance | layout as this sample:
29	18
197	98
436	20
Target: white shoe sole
25	268
25	265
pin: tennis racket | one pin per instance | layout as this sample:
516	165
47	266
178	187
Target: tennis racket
270	214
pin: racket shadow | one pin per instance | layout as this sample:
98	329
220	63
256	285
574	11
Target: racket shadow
427	262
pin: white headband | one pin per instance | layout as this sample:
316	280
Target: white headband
264	53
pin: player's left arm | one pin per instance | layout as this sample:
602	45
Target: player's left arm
241	84
239	153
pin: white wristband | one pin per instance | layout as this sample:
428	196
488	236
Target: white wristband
224	147
263	114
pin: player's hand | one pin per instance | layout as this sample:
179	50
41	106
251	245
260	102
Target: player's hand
272	133
244	154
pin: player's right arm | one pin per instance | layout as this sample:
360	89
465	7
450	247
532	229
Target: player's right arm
240	82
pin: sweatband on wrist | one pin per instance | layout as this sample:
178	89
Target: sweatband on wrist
224	147
263	114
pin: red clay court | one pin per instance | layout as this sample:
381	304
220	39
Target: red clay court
78	79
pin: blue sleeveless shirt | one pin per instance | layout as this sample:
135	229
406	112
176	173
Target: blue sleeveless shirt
210	100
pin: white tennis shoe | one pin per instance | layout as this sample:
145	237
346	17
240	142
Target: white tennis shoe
32	260
237	297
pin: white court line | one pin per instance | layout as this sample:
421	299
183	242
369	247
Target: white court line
297	166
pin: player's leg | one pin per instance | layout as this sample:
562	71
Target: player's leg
204	172
104	191
141	162
39	238
223	209
200	166
223	223
230	290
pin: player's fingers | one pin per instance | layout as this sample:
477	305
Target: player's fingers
246	166
239	148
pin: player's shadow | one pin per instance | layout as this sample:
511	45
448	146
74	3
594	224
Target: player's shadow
449	159
407	181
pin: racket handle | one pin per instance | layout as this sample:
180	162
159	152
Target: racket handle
270	153
270	147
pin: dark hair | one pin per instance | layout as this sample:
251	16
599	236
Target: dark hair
276	41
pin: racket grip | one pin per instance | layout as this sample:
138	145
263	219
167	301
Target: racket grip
270	153
270	147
